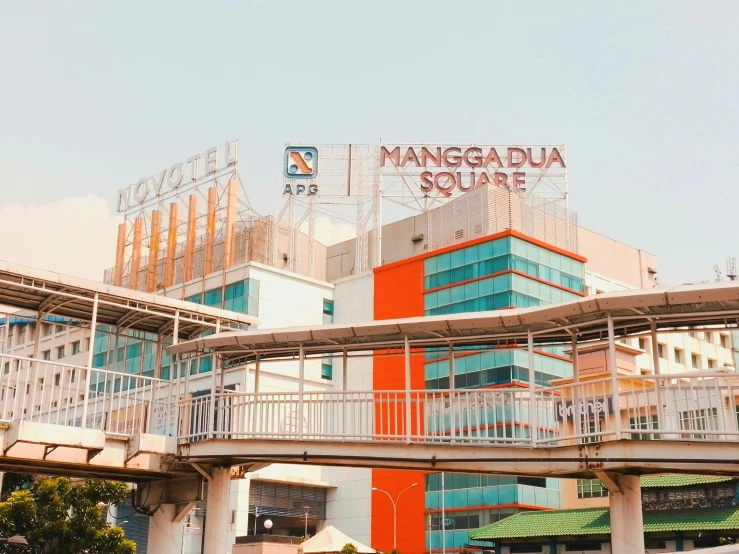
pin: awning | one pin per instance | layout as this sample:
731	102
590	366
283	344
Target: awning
70	297
633	311
329	540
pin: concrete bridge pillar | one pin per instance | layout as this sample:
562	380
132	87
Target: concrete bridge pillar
165	534
217	519
627	524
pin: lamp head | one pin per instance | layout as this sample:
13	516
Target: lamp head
268	524
18	540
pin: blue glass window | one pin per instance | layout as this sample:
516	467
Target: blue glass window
213	298
328	311
501	255
327	368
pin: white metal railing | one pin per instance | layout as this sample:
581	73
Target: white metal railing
693	407
51	392
464	416
689	406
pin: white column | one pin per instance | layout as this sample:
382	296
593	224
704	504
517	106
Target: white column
344	387
174	369
217	512
256	373
452	398
301	389
533	414
627	524
87	378
613	369
344	370
657	370
254	409
451	367
93	325
407	390
576	412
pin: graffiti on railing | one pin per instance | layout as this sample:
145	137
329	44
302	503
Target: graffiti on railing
291	423
591	408
469	402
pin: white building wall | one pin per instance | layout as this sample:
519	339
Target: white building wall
349	504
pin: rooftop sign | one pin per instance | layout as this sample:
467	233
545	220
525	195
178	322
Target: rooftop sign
462	168
178	177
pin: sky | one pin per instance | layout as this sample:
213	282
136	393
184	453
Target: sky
95	95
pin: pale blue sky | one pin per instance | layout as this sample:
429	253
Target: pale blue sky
95	95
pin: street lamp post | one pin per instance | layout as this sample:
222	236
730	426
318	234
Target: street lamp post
307	510
395	511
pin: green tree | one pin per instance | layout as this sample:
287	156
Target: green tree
60	517
349	548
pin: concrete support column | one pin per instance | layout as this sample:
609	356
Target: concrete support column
217	512
627	525
165	535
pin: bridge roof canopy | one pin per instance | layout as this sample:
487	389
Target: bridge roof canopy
633	312
47	292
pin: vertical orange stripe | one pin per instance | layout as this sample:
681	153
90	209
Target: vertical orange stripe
210	231
192	219
119	255
398	293
154	236
171	245
229	244
138	231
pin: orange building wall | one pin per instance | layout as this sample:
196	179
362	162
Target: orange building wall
398	293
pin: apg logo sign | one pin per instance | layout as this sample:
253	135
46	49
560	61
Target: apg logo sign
301	162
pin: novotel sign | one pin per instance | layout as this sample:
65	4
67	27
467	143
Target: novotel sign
465	168
179	176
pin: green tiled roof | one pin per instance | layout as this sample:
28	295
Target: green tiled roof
585	521
597	521
670	480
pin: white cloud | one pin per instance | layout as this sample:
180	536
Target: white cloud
73	236
328	232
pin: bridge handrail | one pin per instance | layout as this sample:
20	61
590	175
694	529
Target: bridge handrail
74	366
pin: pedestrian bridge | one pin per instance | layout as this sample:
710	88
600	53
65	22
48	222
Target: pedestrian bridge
133	429
612	419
